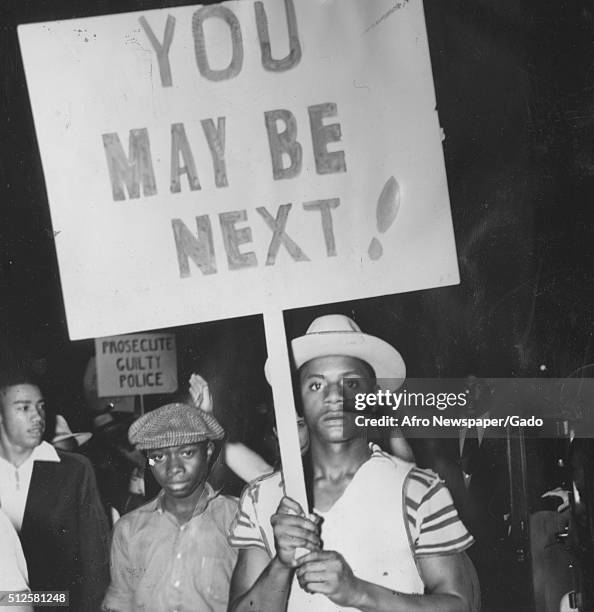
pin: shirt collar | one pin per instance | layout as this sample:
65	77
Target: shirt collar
42	452
156	505
45	452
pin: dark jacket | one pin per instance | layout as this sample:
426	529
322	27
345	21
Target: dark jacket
65	534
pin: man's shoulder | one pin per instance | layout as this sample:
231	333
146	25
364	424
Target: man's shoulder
74	466
265	487
384	468
380	457
262	496
224	502
133	520
223	509
74	461
425	477
420	484
259	501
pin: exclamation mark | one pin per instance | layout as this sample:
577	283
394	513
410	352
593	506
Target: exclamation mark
388	205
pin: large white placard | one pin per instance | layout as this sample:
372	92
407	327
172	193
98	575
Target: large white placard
210	162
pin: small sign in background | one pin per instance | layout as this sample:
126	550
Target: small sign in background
136	364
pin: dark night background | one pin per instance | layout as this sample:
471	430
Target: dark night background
515	89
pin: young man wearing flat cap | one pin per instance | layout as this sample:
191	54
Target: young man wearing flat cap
389	537
172	553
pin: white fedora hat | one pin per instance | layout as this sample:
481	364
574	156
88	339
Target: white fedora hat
63	432
338	335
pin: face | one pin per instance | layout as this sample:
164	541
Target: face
22	416
327	383
180	470
303	434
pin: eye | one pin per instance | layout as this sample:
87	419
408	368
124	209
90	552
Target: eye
315	386
158	458
188	453
351	383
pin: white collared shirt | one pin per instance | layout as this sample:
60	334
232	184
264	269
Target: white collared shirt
14	482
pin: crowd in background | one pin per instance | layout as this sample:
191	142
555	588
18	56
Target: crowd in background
64	492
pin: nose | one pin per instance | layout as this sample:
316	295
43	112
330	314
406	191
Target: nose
37	415
174	465
334	394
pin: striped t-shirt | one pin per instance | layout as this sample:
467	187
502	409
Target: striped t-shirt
433	524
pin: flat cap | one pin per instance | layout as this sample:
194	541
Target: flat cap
174	425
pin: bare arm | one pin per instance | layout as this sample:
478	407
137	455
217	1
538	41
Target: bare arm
450	582
259	583
262	583
450	585
246	463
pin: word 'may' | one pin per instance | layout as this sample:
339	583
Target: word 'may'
135	170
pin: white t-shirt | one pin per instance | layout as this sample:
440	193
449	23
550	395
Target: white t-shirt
390	514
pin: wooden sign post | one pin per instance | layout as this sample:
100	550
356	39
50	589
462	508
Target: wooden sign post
279	374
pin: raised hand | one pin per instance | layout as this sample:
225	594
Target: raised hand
293	531
200	393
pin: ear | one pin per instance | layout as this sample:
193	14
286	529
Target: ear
209	450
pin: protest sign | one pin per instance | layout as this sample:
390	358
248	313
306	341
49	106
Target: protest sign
277	151
136	364
217	161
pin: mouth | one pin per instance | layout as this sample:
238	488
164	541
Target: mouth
36	431
174	486
334	419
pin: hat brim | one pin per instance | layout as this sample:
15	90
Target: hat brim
385	360
80	437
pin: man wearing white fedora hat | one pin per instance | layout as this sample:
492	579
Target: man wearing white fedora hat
384	534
